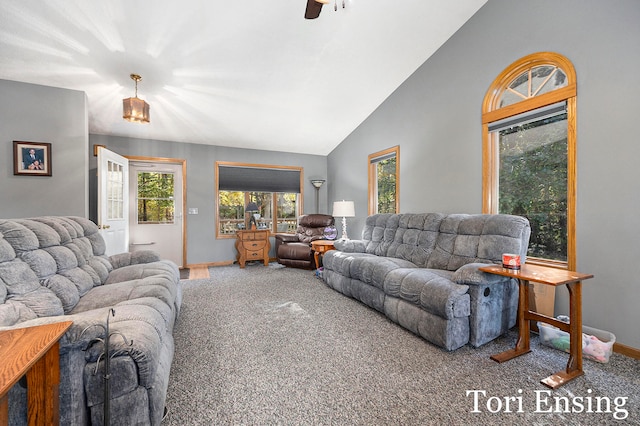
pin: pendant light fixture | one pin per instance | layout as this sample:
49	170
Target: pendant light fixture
135	109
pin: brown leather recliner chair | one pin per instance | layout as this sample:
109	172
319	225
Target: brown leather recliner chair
295	249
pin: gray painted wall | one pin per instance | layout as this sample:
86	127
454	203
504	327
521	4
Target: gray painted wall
435	118
202	245
33	113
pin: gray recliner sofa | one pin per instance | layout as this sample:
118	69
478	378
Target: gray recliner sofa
54	269
421	271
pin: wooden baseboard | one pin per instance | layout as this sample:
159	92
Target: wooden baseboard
626	350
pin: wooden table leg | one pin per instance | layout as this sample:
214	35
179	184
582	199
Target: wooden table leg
4	410
522	344
316	255
574	365
43	380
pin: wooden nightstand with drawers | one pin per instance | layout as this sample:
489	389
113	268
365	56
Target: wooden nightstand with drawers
253	245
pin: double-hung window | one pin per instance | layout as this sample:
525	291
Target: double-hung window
384	182
275	191
529	146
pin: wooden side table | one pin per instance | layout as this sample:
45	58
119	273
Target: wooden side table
320	247
253	244
36	352
554	277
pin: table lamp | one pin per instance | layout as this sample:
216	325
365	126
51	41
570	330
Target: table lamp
252	208
344	209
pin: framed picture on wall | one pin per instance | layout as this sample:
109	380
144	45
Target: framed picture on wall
31	158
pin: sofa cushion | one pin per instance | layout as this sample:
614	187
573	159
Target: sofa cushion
478	239
295	250
22	287
54	224
142	270
6	251
410	237
340	261
112	294
13	312
133	258
42	301
373	270
40	261
18	236
379	233
47	237
64	289
430	290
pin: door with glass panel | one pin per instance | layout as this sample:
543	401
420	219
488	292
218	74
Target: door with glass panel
113	200
156	216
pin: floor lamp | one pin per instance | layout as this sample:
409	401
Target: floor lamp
317	183
344	209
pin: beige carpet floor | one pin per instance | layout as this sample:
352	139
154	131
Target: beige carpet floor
275	346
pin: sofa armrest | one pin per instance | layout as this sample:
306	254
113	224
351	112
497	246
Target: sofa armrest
126	259
286	238
350	246
469	274
493	300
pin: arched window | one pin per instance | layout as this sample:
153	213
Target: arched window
529	153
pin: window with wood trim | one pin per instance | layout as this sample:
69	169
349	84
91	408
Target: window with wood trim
529	153
155	197
276	191
384	181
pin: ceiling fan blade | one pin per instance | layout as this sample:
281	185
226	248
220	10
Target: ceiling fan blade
313	9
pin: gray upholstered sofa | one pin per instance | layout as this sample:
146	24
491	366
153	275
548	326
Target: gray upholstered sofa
421	271
54	269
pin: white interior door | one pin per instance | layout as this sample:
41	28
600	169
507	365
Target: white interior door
156	214
113	200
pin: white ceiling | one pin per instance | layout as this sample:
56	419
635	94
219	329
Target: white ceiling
247	74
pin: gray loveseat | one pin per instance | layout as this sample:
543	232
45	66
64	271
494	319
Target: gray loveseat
54	269
421	271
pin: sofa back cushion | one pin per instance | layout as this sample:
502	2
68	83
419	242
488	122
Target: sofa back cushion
439	241
58	259
21	296
479	238
410	237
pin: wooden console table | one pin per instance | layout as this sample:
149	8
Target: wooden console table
253	245
319	247
554	277
34	351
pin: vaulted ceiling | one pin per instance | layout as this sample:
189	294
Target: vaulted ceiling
247	74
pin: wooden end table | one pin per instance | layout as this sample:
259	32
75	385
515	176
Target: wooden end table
320	247
253	244
33	351
554	277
